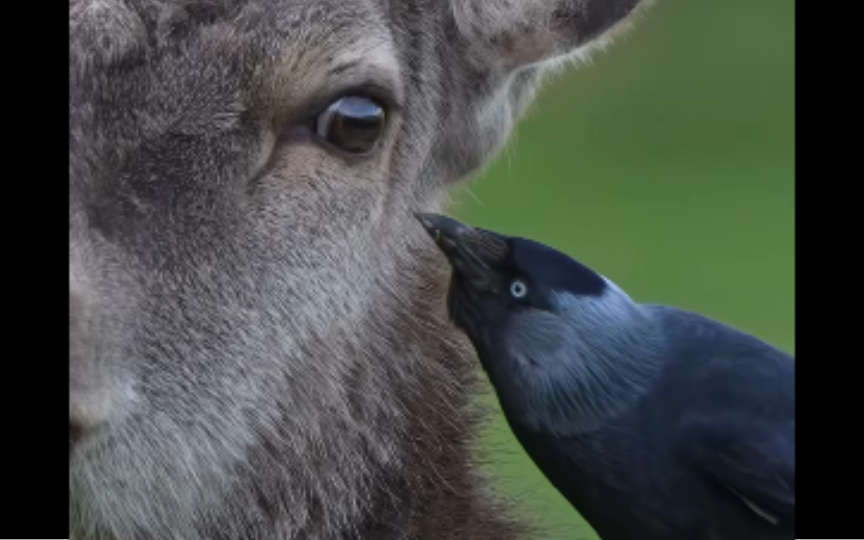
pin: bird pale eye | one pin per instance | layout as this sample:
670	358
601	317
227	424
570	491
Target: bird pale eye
352	124
518	289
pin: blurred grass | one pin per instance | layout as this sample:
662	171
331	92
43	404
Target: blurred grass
668	166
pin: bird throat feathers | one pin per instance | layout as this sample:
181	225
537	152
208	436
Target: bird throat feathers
580	367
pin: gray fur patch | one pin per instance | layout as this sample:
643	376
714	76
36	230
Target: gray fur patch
259	346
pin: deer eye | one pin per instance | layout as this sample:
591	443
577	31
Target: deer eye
352	124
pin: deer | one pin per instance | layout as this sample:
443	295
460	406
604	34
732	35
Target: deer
259	347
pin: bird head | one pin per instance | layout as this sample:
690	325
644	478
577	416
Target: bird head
498	280
538	319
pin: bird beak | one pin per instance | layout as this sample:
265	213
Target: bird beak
474	253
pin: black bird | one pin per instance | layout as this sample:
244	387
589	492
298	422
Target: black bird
654	422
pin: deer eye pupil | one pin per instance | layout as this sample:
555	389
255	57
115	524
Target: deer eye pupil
353	124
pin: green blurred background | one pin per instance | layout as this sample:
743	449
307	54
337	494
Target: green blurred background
666	165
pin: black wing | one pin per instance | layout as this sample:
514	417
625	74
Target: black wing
753	460
737	426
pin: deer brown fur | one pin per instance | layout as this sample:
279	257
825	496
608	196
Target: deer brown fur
258	342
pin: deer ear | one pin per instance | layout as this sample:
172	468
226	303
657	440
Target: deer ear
511	34
499	52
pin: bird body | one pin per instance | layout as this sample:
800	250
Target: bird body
653	471
655	423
